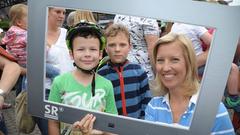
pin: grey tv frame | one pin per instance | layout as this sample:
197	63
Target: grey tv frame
224	18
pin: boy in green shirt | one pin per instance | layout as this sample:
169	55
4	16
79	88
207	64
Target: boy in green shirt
83	87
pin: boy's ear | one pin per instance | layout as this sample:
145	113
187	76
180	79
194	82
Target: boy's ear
18	22
130	45
71	54
100	55
106	50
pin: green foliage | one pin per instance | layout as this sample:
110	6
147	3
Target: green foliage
5	24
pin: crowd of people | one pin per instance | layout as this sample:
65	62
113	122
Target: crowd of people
139	62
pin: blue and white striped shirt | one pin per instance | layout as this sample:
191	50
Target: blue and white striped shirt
158	110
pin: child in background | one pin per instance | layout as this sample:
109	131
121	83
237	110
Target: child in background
130	81
15	39
83	87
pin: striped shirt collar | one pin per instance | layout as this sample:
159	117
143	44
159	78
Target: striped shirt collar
192	102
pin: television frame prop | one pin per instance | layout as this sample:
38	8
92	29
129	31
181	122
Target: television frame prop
224	19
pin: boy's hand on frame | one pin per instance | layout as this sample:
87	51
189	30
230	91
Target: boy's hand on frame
85	125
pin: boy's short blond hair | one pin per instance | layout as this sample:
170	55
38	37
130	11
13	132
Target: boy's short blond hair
17	12
114	29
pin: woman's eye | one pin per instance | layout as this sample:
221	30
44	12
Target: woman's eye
160	60
175	59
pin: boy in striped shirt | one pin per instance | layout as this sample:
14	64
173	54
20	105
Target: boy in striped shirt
130	81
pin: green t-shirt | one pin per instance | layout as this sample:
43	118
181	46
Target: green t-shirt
65	89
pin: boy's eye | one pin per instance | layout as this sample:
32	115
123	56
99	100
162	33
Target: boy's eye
111	45
93	49
80	49
123	45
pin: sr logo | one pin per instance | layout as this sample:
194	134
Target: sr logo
51	111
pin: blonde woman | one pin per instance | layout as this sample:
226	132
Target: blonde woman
177	77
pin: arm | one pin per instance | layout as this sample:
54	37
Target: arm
202	58
144	89
53	127
151	35
110	100
55	92
151	39
23	71
223	122
237	53
9	77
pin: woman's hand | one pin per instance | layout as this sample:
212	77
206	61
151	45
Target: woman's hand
85	125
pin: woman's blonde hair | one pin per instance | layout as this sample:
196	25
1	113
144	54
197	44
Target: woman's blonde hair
17	12
191	83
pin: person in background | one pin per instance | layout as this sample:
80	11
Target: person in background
70	19
144	32
15	38
76	16
57	51
10	72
